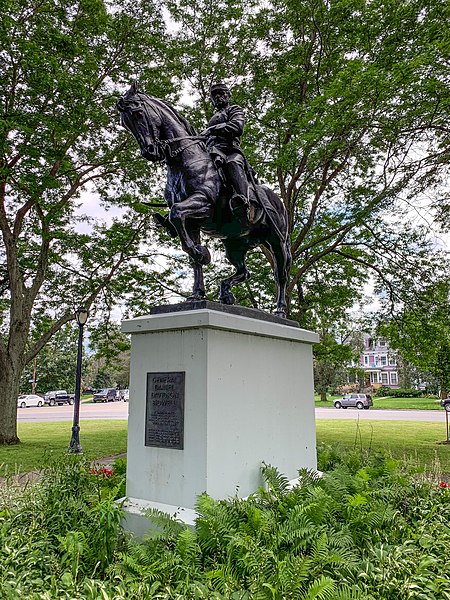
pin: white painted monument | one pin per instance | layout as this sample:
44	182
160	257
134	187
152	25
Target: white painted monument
213	394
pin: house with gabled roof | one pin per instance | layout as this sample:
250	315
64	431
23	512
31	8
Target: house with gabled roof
379	362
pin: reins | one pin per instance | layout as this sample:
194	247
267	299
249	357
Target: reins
166	144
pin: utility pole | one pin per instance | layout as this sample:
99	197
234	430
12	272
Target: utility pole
33	383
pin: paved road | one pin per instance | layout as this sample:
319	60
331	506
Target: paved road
119	410
109	410
436	416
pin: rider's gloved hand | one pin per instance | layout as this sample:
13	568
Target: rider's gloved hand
213	129
207	132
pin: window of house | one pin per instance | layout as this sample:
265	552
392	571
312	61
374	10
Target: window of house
383	361
366	360
392	361
374	377
394	378
382	342
384	378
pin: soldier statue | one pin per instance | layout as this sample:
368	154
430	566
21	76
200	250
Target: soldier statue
238	210
223	134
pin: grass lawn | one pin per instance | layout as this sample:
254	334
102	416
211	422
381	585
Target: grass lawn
40	442
395	403
403	439
410	440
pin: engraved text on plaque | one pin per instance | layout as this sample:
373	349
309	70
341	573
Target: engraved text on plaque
164	419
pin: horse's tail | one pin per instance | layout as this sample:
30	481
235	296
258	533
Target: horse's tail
275	210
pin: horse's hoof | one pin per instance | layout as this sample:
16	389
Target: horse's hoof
196	297
202	255
280	313
227	298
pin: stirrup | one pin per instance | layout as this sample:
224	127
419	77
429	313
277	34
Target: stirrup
239	206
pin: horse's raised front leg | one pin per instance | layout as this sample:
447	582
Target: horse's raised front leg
235	251
198	207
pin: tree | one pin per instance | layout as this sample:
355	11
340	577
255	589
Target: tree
421	332
62	66
55	364
332	122
110	358
330	299
330	360
341	98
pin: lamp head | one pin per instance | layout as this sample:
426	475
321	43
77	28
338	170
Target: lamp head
81	315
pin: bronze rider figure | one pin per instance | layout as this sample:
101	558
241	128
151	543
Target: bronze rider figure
223	135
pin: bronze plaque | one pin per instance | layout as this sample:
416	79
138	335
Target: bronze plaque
164	418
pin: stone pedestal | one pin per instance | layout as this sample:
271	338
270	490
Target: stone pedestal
248	398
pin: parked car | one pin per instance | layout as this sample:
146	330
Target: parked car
106	395
26	400
58	397
359	401
125	395
446	404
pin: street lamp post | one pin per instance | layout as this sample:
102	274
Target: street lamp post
81	315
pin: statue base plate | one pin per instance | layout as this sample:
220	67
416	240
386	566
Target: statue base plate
235	309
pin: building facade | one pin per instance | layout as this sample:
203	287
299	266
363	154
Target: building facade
379	363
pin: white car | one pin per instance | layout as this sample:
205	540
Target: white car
29	400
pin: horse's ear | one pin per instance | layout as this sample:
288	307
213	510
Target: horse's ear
133	89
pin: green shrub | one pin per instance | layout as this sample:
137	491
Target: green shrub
365	530
59	530
382	391
359	532
398	393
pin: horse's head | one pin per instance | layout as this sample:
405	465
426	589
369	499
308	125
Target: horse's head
142	121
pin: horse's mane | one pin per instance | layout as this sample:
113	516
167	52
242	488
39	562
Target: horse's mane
177	115
133	93
172	110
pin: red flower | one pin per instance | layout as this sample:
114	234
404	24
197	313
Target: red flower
103	471
443	484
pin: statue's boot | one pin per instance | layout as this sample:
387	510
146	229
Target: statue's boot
242	209
239	202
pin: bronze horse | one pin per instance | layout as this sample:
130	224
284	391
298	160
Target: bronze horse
198	197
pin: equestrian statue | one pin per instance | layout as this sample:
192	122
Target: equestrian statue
210	188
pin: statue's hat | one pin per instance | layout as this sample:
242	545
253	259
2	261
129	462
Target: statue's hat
215	87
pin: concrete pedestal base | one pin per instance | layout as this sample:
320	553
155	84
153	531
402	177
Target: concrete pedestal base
248	398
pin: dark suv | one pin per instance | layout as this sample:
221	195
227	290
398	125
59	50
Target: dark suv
58	397
106	395
446	404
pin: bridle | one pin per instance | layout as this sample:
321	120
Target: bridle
164	147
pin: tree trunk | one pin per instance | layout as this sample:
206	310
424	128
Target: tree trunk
323	395
9	390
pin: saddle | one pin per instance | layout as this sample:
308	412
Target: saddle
253	212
